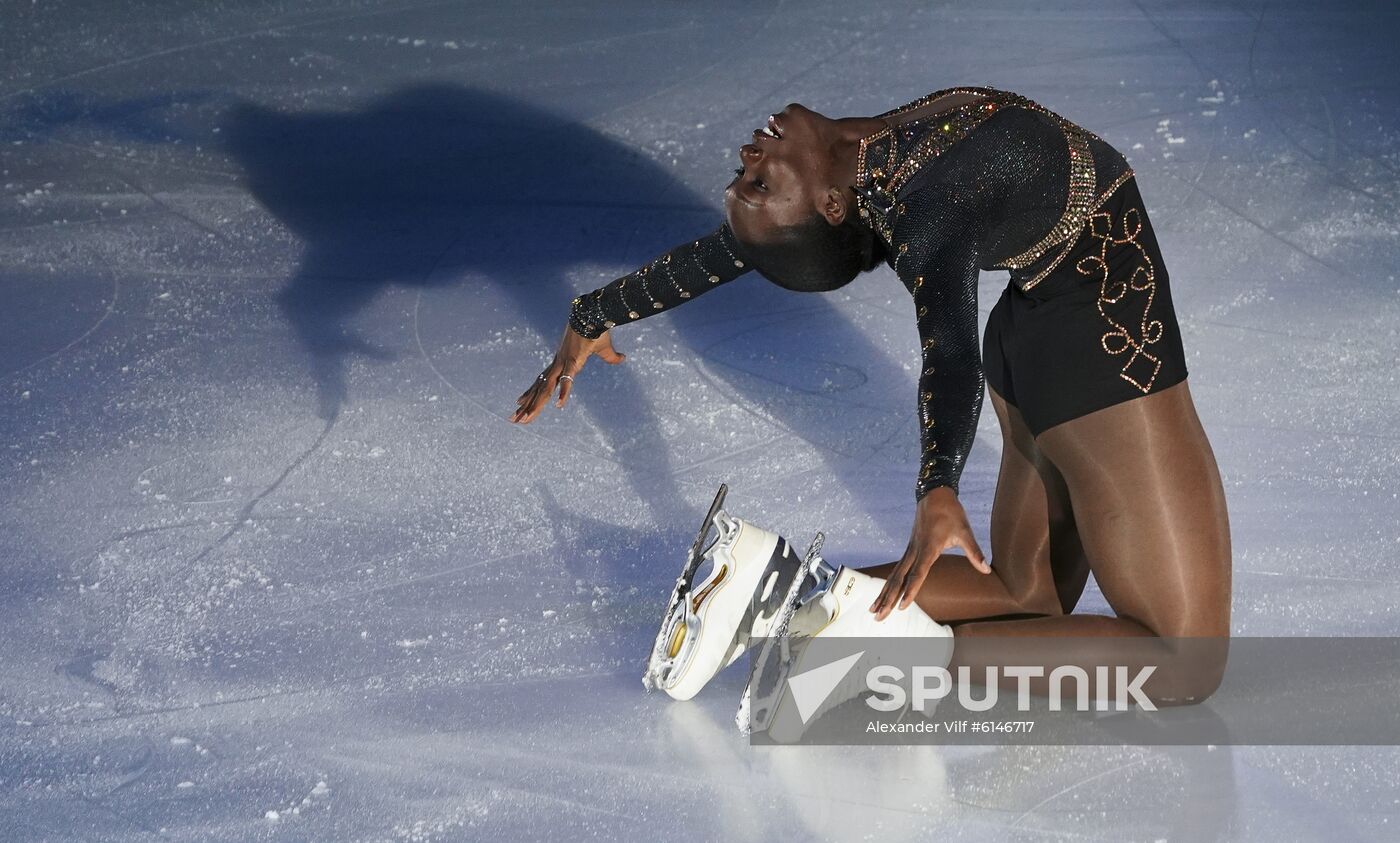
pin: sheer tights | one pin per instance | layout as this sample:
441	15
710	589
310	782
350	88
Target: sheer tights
1130	493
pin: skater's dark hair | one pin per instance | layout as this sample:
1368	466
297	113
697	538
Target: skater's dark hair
815	256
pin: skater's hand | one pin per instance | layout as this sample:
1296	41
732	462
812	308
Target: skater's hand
574	351
939	524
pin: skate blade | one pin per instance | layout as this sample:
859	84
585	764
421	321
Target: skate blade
660	661
769	671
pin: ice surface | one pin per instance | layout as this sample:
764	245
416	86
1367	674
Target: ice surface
274	565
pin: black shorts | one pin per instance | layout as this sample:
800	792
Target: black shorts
1098	330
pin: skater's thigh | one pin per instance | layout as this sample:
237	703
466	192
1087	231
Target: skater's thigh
1150	510
1035	545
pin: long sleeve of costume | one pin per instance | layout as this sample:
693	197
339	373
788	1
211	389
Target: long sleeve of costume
669	280
951	381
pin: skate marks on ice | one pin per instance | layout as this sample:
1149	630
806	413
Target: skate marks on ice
34	311
296	20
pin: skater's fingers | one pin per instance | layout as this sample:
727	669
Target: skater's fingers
528	397
912	581
975	553
915	583
529	392
537	394
541	396
965	540
894	588
891	583
896	595
527	407
566	385
523	413
522	405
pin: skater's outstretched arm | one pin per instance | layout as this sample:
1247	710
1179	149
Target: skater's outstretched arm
673	278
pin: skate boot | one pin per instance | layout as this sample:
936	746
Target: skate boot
709	622
842	609
837	606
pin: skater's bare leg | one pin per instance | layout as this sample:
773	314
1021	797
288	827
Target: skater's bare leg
1038	561
1150	509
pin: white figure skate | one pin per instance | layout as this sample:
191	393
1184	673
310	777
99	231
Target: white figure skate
708	625
837	606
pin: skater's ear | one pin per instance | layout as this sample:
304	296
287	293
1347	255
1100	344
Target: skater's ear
834	206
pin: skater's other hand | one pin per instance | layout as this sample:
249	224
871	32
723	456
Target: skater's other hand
940	524
574	351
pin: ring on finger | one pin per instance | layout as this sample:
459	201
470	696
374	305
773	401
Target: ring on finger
566	377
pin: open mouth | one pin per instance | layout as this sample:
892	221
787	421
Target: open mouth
773	129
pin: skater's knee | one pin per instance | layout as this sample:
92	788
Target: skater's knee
1190	689
1190	673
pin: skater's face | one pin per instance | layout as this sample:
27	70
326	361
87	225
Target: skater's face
783	179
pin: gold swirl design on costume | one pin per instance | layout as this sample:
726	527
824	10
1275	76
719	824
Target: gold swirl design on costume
1133	340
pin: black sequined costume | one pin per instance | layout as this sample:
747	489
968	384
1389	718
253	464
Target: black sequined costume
994	182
